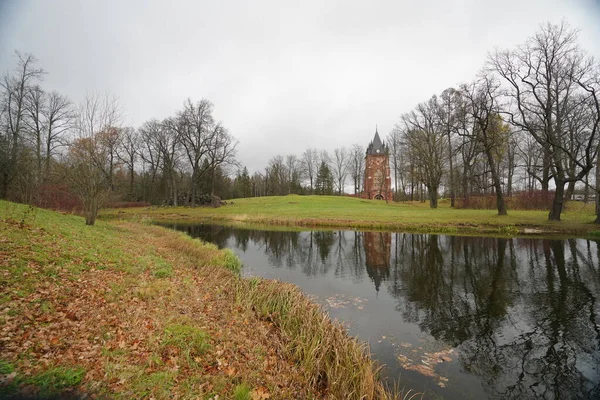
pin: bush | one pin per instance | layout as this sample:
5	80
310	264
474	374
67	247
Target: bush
128	204
529	200
58	197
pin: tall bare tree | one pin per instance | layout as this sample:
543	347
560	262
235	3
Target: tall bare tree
396	152
87	165
310	164
293	169
488	128
357	166
340	168
15	90
129	150
546	78
450	110
426	140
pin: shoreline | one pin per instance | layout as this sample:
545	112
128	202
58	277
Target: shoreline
458	224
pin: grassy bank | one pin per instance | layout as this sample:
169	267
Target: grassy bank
330	211
128	310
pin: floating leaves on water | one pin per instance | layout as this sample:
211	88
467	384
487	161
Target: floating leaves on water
341	300
427	361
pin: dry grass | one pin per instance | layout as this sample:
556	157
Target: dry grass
331	360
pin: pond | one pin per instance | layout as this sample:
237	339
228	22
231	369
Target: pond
456	317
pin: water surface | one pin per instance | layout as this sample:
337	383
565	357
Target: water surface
457	317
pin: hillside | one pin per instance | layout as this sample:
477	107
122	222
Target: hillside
126	310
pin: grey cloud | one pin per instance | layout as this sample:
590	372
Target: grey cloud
283	76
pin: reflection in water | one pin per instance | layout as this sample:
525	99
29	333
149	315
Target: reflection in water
378	251
521	315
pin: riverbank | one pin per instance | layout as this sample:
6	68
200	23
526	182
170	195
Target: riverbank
353	213
128	310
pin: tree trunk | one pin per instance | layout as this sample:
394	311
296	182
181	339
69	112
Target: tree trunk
131	172
570	191
597	221
546	172
500	205
433	200
452	194
586	190
557	203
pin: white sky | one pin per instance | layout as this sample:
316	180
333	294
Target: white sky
283	76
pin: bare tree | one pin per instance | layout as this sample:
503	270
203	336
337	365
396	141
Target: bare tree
87	165
488	128
168	142
310	164
396	152
15	89
35	110
449	109
150	154
221	151
293	169
59	118
128	153
427	146
546	78
340	168
357	166
195	127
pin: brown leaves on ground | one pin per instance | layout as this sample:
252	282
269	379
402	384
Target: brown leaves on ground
111	323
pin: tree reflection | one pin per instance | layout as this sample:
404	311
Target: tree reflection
522	313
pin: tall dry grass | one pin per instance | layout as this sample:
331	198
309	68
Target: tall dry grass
334	363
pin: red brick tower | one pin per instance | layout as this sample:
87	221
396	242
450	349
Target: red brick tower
378	184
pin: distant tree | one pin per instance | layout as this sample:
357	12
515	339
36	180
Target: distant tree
324	181
396	153
277	176
242	184
128	153
340	168
357	166
310	165
15	89
489	130
87	165
450	109
293	169
427	146
151	157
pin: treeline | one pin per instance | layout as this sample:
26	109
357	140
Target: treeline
53	152
528	122
531	115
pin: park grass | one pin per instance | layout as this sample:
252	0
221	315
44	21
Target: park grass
130	310
354	213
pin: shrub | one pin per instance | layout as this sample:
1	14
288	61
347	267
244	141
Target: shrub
528	200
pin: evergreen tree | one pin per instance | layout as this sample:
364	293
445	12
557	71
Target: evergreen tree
324	182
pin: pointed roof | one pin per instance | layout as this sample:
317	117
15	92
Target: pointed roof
376	146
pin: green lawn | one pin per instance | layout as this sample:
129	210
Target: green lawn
332	211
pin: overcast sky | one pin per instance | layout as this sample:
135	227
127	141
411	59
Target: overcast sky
283	76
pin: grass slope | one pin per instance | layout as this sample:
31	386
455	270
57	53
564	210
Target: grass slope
332	211
126	310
